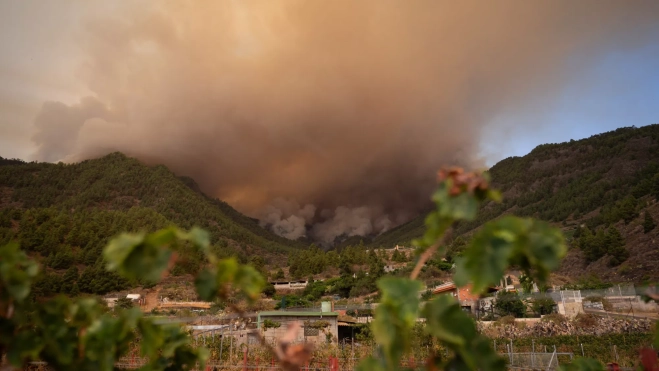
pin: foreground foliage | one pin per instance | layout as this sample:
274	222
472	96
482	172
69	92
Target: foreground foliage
70	334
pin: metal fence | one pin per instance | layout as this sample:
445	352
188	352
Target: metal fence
536	361
614	291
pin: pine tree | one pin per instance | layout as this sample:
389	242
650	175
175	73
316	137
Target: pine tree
627	209
648	223
85	281
655	186
615	245
577	232
69	278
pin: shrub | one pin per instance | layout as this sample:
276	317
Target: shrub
270	324
505	321
509	304
594	298
585	320
555	318
543	305
269	290
124	303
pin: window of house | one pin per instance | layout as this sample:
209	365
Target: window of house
310	331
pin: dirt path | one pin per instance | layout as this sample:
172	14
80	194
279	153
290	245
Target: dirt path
643	315
151	300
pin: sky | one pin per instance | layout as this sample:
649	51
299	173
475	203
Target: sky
320	118
620	90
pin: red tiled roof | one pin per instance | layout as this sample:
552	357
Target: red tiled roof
444	288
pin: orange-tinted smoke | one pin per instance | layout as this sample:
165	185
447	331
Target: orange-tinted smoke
346	106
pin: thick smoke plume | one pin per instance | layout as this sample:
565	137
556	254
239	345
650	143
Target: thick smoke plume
324	118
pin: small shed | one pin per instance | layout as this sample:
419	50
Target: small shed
317	327
136	298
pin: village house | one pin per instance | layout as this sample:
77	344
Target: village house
469	301
286	285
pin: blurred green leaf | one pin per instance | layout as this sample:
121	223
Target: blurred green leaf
534	246
225	271
25	345
200	238
227	275
206	284
395	316
17	272
120	247
140	257
446	321
249	281
461	207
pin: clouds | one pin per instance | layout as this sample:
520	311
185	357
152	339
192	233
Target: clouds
345	109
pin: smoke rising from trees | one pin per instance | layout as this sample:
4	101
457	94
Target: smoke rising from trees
324	118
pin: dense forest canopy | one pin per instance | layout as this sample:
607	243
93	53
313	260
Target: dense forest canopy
65	213
596	181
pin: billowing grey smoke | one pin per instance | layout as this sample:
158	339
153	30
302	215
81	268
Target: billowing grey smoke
287	218
342	109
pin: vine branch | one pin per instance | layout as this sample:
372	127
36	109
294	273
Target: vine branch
426	255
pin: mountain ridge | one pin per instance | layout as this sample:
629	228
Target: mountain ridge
64	214
608	179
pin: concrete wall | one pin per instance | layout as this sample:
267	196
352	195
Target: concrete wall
570	310
290	285
273	333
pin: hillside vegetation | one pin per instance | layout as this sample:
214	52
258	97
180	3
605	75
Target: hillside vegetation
65	214
608	184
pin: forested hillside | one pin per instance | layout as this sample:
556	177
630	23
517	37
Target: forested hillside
607	183
64	215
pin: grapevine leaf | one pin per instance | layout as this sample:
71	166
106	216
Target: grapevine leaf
17	272
461	207
484	356
120	247
534	246
25	345
249	281
226	271
227	274
206	284
494	195
152	338
140	257
485	259
446	321
539	250
162	237
395	316
200	238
